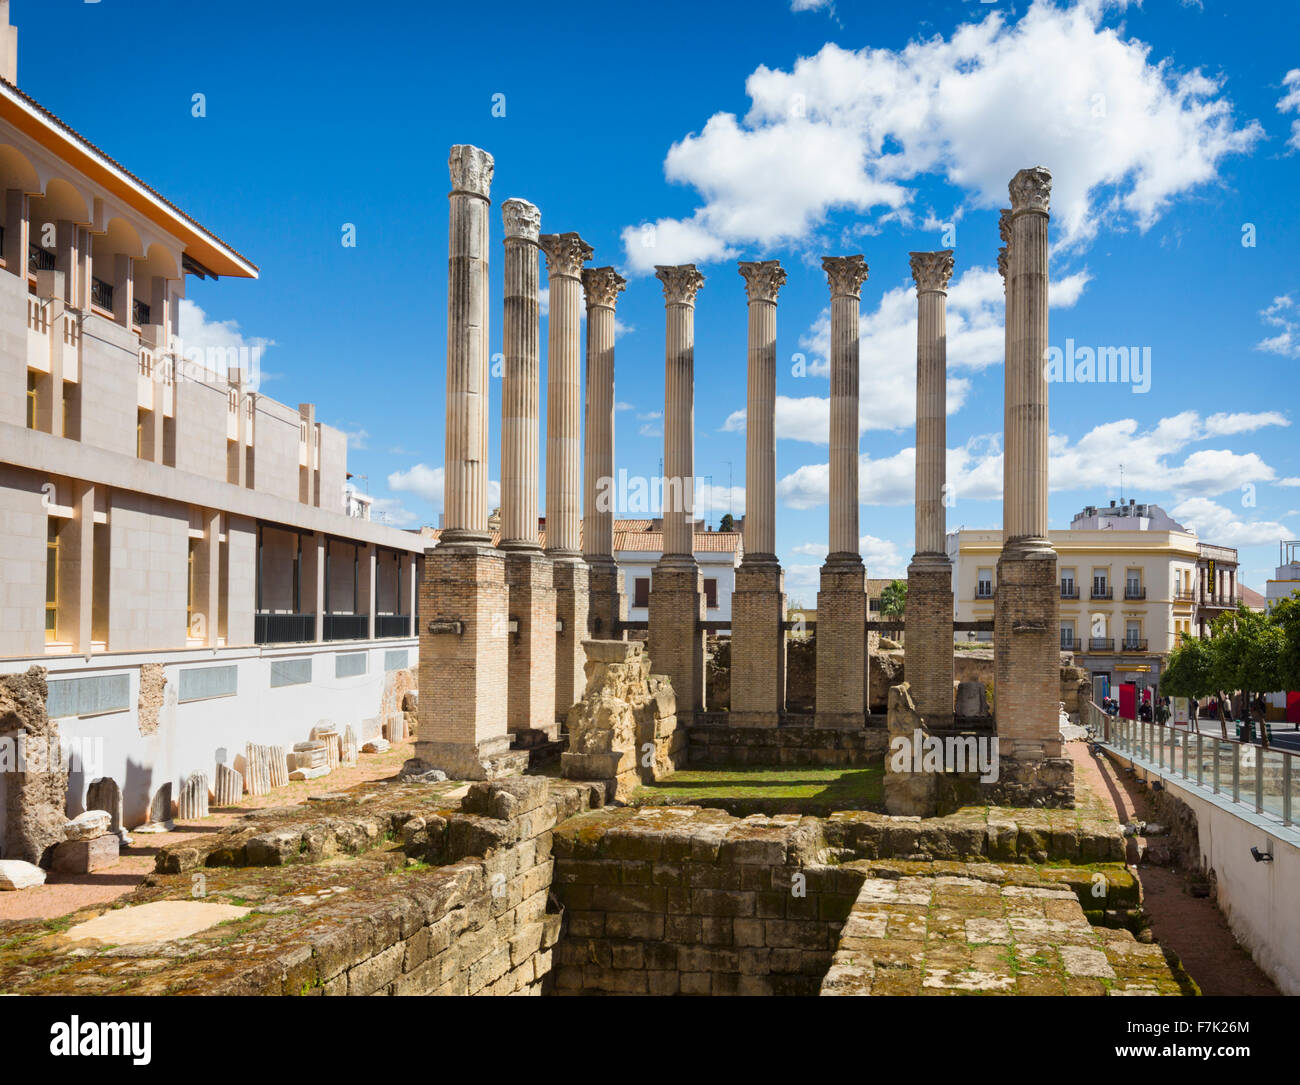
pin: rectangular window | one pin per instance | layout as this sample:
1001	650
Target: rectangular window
88	696
290	672
350	665
397	659
984	584
189	591
202	683
641	592
1133	634
31	399
1133	584
1067	636
711	593
1100	588
1068	589
51	580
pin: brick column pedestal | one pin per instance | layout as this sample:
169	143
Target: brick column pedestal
927	622
676	644
572	590
758	651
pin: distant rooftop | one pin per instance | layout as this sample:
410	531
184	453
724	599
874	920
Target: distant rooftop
1130	517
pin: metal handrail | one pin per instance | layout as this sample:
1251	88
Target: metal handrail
1249	774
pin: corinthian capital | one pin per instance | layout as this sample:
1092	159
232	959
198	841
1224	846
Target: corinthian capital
681	283
521	219
1002	261
471	170
1031	190
931	270
763	279
846	274
565	254
602	286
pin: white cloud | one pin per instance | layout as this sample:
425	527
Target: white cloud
1288	481
1290	103
219	345
881	556
887	355
809	5
853	130
711	501
1284	315
357	438
1216	524
1150	459
427	482
390	510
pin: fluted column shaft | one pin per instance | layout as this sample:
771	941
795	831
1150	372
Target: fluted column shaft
468	358
1027	324
602	287
846	275
931	272
762	282
680	286
565	255
1008	383
521	383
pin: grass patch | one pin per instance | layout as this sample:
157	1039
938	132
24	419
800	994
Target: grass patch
769	789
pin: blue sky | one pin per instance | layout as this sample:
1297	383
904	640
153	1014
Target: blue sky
785	129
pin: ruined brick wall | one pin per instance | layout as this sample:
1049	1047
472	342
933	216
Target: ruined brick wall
717	743
695	901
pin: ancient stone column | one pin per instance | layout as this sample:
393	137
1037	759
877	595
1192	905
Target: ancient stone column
842	600
565	255
608	599
758	653
676	586
1027	599
928	616
530	576
463	597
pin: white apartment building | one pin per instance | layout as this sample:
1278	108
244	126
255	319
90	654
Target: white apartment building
638	546
1132	579
174	546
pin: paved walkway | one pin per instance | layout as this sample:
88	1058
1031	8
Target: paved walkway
65	893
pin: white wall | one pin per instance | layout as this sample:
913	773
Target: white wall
190	735
1258	899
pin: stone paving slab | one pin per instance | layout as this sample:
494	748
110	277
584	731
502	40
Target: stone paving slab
976	932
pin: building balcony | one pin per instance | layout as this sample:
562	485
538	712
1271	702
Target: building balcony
1184	595
983	593
1072	592
1101	644
1132	592
1068	643
1132	644
1101	593
1222	601
347	626
283	628
392	625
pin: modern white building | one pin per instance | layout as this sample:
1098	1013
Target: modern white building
174	545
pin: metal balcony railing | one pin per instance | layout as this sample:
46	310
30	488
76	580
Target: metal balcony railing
347	626
1099	592
140	312
1068	643
39	259
392	625
283	628
982	592
1101	644
1069	591
1132	644
1132	591
101	294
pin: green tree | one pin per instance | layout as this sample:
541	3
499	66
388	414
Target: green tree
727	523
1189	672
1247	651
1286	615
893	599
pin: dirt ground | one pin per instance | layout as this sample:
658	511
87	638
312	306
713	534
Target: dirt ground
1193	927
65	893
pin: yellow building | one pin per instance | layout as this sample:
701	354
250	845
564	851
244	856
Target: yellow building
1132	581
